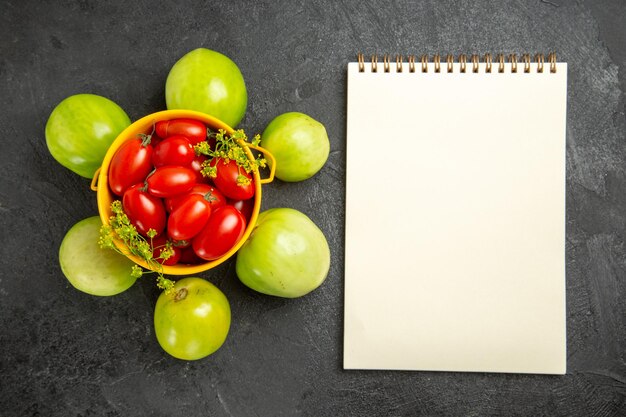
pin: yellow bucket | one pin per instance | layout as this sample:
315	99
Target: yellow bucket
144	125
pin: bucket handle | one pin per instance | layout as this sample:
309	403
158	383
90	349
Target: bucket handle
267	154
94	180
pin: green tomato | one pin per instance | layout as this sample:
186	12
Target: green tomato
286	255
89	268
209	82
299	143
80	130
192	320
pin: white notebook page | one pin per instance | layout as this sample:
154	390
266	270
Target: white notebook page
455	220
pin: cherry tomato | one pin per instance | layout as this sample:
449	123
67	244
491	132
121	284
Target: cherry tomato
130	165
244	206
212	142
159	244
170	180
196	165
194	130
188	256
223	230
155	139
210	193
144	210
226	180
175	150
189	217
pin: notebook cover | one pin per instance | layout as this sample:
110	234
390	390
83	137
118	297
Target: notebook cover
455	221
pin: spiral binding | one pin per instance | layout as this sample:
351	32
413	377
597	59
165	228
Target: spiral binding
474	62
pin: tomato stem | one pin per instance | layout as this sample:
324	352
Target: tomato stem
210	197
146	139
145	183
181	294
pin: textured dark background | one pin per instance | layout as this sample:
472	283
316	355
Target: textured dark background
65	353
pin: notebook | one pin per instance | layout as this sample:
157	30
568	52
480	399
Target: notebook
455	214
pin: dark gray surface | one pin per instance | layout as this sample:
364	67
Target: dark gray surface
64	353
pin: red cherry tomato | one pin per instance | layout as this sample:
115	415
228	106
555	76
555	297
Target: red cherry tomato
194	130
212	142
223	230
245	207
189	217
155	139
196	165
130	164
210	193
144	210
170	180
226	180
175	150
188	256
159	244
